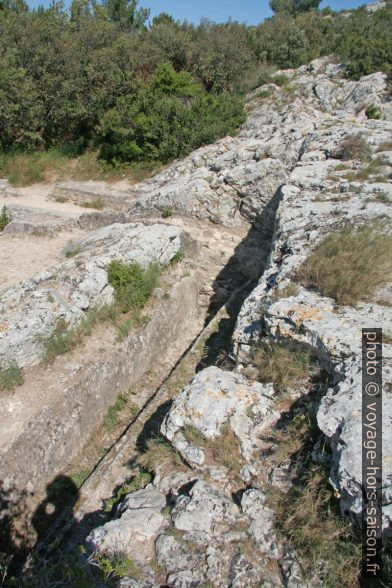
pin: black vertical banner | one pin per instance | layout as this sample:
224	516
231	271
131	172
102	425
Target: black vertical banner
372	453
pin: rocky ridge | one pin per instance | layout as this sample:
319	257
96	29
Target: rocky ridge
206	518
213	523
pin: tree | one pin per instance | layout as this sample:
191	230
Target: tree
293	7
126	14
162	19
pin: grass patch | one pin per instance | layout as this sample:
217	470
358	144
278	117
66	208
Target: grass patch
373	168
341	167
226	450
263	94
24	169
10	377
114	410
309	517
4	219
72	252
133	286
97	204
286	368
132	283
160	452
138	482
80	477
280	80
348	266
382	197
291	289
61	199
385	146
354	147
178	257
194	436
167	212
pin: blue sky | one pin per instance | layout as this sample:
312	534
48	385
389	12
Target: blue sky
250	11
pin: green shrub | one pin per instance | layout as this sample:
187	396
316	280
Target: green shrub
4	219
116	566
133	284
10	377
373	111
166	119
167	212
348	266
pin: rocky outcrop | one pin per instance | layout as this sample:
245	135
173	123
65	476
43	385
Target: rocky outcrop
220	528
31	310
90	193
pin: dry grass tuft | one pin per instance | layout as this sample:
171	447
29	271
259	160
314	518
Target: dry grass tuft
354	147
226	450
290	289
308	517
348	266
194	436
160	452
284	367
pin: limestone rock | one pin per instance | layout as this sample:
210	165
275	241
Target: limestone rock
216	397
31	309
134	532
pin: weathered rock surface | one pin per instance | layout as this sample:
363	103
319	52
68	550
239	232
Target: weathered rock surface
31	310
6	190
139	522
83	193
222	528
214	399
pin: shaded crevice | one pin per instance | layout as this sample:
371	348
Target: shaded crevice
243	271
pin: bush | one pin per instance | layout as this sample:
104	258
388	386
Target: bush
366	41
10	377
373	111
166	119
4	219
348	266
354	147
133	284
167	212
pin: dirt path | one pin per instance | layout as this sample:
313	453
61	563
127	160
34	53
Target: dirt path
37	196
23	257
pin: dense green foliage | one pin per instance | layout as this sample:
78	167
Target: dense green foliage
132	283
101	76
293	6
166	119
